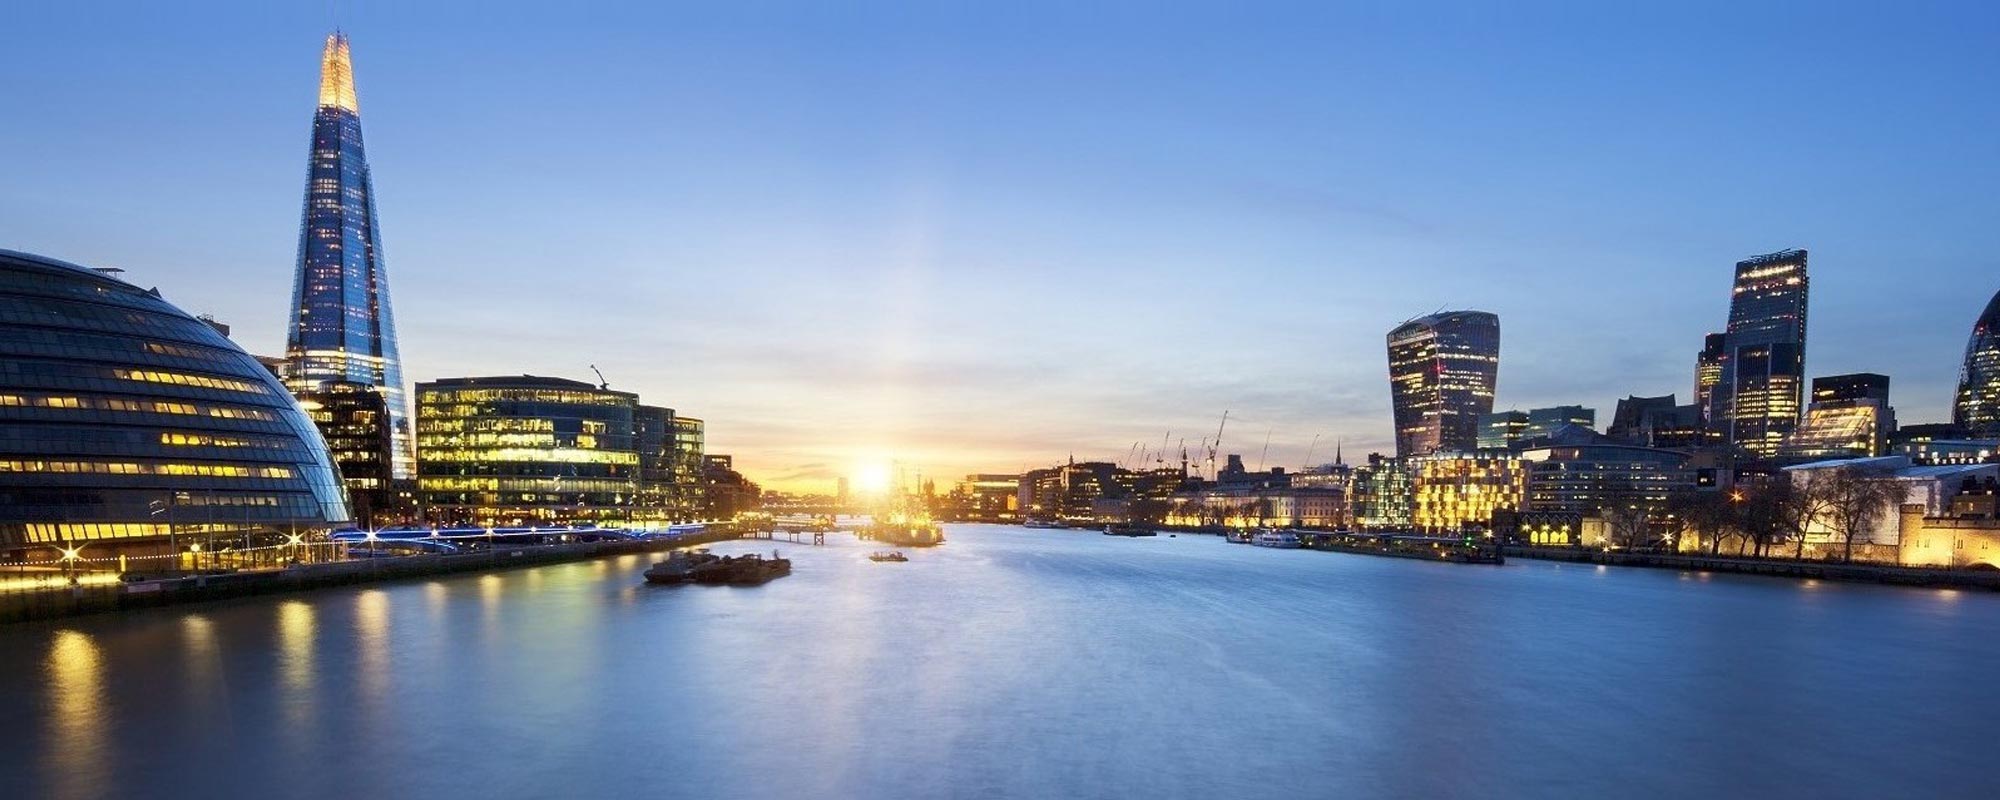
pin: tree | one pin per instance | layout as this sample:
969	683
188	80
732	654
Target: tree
1777	511
1627	526
1704	512
1855	497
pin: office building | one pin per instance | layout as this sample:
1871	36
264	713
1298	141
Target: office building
1456	493
1757	398
124	420
1849	417
1977	407
342	326
1442	372
1507	429
1708	375
354	421
525	450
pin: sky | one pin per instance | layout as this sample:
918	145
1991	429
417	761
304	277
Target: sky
984	237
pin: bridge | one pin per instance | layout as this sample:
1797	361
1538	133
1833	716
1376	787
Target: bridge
807	529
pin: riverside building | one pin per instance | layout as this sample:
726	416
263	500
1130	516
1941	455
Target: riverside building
526	451
125	420
342	328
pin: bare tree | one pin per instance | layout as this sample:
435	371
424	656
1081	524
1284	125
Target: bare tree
1856	497
1705	513
1627	526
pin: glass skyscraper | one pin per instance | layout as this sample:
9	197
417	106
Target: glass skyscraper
342	329
1442	370
1977	409
1756	402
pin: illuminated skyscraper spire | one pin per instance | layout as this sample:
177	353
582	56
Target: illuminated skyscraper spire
336	75
342	326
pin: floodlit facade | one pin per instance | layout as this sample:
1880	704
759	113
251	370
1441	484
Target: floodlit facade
1456	492
1757	398
1442	373
1850	417
1977	408
124	419
342	327
526	450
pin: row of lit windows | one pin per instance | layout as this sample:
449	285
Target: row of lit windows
184	379
130	468
484	424
460	396
557	455
153	406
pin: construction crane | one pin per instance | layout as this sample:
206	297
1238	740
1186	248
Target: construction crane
601	382
1217	444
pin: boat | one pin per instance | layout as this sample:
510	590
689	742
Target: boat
1129	529
905	532
679	567
741	570
893	555
1276	537
1033	522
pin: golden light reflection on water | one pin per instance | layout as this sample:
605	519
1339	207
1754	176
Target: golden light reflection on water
296	666
199	651
75	678
371	624
490	587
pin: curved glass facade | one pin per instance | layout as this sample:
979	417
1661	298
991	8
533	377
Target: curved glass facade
1977	408
121	415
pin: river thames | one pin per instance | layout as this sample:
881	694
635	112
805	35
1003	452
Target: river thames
1022	663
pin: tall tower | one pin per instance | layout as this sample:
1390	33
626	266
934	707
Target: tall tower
342	328
1763	373
1442	370
1977	408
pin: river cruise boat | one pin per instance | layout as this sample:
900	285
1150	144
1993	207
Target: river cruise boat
1275	537
1129	529
894	555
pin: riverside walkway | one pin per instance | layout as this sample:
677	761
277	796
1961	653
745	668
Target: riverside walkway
100	595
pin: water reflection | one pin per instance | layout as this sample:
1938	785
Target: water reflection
371	628
75	676
297	669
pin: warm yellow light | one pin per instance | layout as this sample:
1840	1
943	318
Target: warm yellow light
871	478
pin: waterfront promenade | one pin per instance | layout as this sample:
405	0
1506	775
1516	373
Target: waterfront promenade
101	594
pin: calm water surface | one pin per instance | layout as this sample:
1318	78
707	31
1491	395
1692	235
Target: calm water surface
1030	664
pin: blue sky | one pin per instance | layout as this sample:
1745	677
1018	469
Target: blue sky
980	238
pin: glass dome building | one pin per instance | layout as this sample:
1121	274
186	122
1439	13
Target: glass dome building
125	419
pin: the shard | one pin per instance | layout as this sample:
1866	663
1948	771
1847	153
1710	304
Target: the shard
342	328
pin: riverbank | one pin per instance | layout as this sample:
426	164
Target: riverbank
1783	568
67	601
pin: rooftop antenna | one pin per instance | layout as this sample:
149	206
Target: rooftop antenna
602	384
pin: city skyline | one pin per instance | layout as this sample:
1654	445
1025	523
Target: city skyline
1221	280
